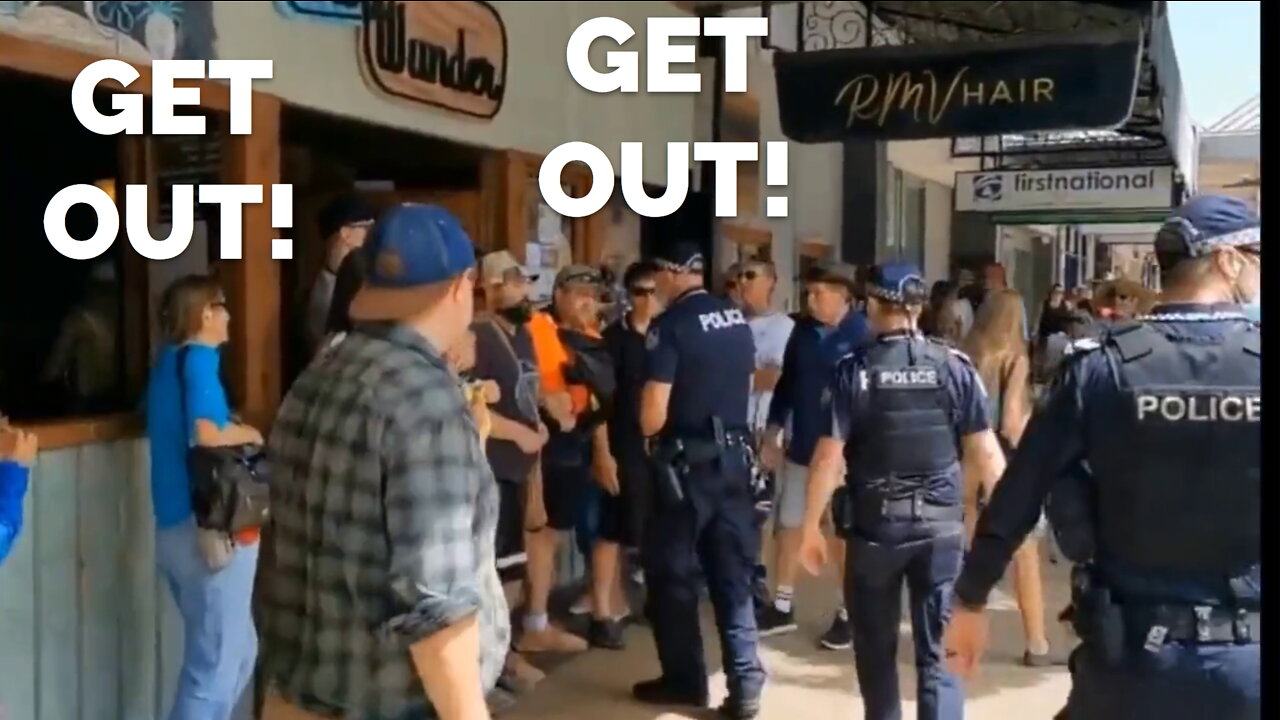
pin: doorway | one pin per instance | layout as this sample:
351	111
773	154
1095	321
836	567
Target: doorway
325	156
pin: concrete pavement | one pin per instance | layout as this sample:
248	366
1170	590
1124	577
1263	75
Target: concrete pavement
805	682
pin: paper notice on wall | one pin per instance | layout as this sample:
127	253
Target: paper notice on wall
162	273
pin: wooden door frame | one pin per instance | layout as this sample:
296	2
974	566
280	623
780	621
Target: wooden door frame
252	284
505	177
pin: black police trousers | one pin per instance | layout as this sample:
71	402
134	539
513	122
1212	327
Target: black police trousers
713	528
874	575
1178	681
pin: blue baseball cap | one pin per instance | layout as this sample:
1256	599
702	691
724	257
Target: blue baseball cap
1208	221
684	257
897	282
413	247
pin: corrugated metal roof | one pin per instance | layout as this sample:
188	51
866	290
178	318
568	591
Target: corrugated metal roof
1246	118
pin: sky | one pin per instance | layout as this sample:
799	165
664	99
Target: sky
1218	54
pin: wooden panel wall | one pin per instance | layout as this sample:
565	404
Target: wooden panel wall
88	631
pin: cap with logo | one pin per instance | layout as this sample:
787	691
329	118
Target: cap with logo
497	266
342	211
681	257
412	248
1208	221
584	274
898	282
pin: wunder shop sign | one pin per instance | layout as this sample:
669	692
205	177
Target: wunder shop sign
448	54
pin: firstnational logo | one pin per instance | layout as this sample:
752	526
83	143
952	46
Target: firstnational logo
1104	188
988	187
1076	181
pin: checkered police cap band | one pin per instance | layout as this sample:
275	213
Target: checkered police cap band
693	264
897	295
1178	235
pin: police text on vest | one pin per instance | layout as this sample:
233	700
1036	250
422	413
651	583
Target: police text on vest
721	319
1201	408
912	377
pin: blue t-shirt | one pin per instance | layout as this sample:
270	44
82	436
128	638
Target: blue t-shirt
13	488
169	432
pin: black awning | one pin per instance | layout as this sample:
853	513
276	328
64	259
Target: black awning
909	92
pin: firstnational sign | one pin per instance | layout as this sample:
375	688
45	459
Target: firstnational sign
911	92
1116	188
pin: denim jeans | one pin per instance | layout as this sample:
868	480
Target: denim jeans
220	644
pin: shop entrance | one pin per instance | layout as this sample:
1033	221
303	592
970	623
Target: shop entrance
64	315
325	156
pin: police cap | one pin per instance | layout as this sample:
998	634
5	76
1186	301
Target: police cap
681	257
1206	222
900	283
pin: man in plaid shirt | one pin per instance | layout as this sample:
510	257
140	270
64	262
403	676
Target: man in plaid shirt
384	601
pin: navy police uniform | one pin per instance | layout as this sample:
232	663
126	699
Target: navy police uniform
702	346
1148	452
901	404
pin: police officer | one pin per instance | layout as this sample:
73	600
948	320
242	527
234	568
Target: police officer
701	357
1149	451
904	410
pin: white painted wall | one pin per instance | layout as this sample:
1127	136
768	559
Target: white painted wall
814	172
316	67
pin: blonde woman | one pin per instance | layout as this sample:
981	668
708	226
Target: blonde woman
998	349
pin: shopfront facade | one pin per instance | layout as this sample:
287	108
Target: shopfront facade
86	626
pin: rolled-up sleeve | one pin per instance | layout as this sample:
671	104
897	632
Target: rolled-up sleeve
432	478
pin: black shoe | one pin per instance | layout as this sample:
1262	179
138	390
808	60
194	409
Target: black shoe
773	621
499	702
606	635
738	709
839	636
658	692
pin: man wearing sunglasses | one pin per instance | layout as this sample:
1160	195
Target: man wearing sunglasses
1149	454
701	357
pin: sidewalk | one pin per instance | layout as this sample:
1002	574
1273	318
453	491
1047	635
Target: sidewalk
805	682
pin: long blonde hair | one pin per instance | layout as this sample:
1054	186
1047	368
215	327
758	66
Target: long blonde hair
998	337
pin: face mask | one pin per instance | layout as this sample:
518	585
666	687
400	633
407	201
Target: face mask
518	314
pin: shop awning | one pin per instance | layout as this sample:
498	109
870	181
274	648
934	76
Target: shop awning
1080	217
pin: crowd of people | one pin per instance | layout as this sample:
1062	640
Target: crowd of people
448	436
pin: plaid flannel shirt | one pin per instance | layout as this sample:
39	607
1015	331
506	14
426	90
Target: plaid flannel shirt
384	518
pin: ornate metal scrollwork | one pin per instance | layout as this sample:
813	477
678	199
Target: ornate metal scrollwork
831	25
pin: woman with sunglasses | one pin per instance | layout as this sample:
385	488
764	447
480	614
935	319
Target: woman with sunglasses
210	575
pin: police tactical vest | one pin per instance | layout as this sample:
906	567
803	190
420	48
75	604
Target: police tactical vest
906	441
1176	452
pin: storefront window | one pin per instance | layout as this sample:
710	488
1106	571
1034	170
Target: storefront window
83	327
905	237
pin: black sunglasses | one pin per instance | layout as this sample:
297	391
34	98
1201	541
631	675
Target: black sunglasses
748	275
643	291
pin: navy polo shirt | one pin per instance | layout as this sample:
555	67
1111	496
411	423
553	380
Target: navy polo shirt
811	356
703	347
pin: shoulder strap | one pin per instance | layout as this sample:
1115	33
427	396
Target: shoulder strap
1134	340
502	335
187	429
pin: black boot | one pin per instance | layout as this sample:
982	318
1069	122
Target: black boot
659	692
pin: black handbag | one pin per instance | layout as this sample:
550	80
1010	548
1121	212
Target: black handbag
229	488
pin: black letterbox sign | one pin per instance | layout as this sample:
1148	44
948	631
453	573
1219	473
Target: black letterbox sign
912	92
